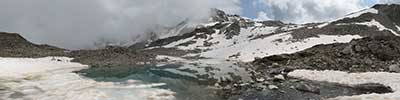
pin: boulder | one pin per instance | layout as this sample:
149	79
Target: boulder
394	68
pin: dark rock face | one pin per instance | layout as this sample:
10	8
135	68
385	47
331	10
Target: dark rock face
273	23
392	11
367	54
232	30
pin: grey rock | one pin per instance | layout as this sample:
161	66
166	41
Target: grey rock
260	86
373	88
16	95
273	87
279	77
307	88
260	79
394	68
2	88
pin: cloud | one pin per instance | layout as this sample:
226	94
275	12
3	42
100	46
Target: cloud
262	16
389	1
301	11
79	23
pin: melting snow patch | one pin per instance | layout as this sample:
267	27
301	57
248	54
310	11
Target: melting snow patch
356	14
398	28
385	78
254	42
258	24
273	45
372	23
291	27
210	24
323	25
51	78
179	42
379	25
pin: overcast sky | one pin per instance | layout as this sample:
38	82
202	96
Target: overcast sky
77	24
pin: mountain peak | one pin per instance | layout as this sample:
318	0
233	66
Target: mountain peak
228	36
218	15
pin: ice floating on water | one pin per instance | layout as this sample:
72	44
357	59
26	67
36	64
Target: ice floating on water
51	78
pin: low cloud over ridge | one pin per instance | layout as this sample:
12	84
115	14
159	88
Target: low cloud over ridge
77	24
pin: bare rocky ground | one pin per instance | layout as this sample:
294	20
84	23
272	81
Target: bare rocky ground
371	54
362	55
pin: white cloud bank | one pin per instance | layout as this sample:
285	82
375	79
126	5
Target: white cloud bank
78	23
304	11
301	11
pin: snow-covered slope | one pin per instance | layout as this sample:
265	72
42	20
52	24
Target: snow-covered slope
357	14
51	78
245	49
233	37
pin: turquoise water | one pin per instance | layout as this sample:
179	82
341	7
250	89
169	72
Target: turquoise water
186	87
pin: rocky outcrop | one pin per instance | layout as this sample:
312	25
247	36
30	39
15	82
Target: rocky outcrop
379	53
14	45
363	55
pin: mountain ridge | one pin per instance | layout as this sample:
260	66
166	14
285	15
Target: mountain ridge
228	36
233	30
247	59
